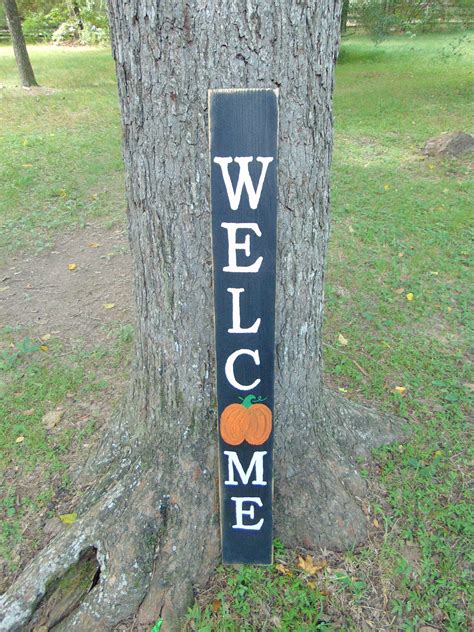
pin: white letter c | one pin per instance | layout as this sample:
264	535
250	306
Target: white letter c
229	368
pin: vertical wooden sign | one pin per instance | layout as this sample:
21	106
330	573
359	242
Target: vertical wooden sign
243	129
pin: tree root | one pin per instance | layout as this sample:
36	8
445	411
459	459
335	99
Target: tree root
155	542
322	466
316	501
119	526
358	429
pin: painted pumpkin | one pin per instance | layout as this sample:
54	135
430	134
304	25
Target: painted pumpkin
249	421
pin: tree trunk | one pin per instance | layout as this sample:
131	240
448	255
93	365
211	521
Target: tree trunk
344	15
153	515
27	76
76	12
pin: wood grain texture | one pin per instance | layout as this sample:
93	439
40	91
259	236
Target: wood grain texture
243	136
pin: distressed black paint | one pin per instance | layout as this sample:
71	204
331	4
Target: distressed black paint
244	123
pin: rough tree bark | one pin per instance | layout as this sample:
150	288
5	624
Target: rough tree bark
27	76
151	508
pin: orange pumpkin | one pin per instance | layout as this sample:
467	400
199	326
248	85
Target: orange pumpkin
249	421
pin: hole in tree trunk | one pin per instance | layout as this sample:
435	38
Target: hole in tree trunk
64	594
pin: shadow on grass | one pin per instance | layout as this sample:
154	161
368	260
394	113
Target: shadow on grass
353	54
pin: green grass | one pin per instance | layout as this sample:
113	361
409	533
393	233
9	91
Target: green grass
61	163
36	378
246	594
400	227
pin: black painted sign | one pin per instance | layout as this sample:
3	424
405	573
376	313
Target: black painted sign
243	129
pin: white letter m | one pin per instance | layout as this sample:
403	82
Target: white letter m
256	462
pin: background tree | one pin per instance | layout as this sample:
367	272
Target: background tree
149	510
27	76
380	18
344	15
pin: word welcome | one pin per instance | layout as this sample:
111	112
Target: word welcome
244	506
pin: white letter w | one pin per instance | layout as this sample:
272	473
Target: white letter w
244	178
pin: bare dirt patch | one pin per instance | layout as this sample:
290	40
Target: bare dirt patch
78	289
34	91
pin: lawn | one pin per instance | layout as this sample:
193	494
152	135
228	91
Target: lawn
61	163
397	329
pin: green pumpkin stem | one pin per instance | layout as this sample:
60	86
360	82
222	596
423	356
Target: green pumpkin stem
251	399
248	401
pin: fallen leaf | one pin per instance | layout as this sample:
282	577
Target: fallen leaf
343	341
216	605
69	518
44	347
351	230
399	290
386	187
342	390
434	272
311	584
108	305
5	288
376	523
400	389
72	266
27	165
94	245
45	337
20	439
52	418
401	254
410	296
309	566
284	570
